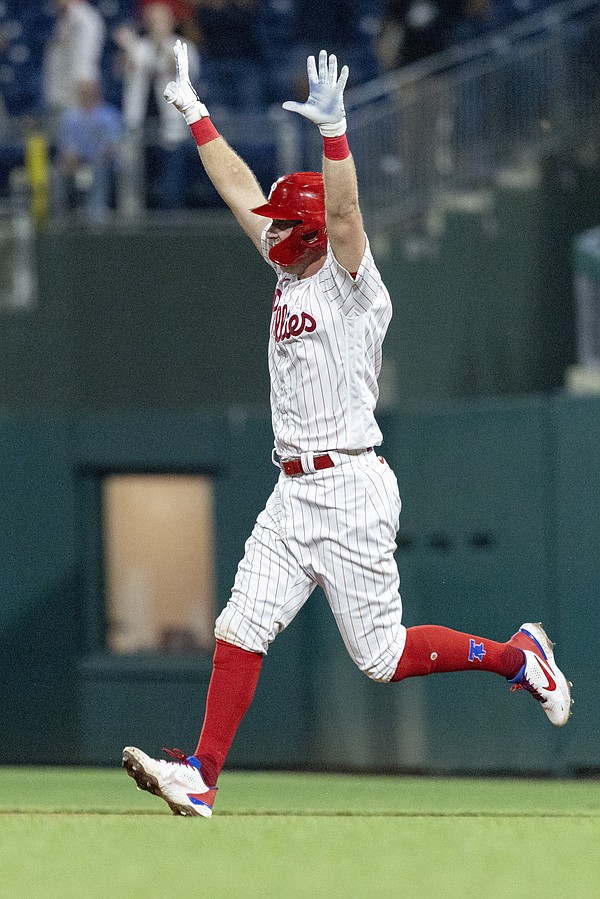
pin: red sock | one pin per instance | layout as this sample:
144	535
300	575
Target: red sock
230	692
431	649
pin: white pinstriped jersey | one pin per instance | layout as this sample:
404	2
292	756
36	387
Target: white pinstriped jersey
334	527
325	351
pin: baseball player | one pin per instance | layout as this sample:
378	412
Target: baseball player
333	515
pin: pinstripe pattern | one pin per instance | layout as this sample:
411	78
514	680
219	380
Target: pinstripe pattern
334	528
324	382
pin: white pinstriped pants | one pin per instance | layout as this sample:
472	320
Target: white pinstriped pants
335	528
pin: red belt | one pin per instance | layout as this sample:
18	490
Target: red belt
293	467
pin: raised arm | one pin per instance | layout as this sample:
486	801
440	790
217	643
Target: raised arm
325	107
232	178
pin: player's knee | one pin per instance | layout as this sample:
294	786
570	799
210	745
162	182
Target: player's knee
232	626
375	670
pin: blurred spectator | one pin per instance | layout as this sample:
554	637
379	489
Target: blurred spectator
476	18
413	30
519	9
182	10
73	52
87	145
149	65
184	17
354	26
231	53
348	28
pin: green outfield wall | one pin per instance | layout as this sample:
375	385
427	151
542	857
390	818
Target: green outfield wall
175	314
146	351
500	524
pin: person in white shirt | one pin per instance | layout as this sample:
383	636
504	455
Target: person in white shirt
332	518
73	53
148	64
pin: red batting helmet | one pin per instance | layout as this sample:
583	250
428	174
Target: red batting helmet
298	198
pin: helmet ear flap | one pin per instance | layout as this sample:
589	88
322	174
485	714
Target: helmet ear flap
299	246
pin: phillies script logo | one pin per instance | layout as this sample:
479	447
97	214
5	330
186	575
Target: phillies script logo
286	325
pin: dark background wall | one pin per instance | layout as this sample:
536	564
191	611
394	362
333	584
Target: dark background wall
147	352
500	525
176	316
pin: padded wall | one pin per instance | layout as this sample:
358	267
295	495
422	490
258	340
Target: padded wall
499	525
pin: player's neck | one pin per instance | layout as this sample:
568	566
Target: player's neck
311	268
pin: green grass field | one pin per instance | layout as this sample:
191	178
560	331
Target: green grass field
89	833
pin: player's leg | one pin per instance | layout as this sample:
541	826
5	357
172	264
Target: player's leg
431	649
345	524
526	661
231	690
361	583
269	589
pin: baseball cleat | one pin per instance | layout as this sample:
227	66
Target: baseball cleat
179	783
540	675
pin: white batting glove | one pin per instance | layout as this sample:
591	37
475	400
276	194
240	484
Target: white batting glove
325	104
180	92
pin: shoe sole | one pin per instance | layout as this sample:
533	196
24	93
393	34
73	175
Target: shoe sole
539	634
149	784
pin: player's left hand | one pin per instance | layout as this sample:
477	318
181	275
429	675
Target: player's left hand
325	104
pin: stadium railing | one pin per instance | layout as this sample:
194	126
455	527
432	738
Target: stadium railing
585	375
449	123
454	120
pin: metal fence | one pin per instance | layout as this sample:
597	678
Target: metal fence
454	121
587	291
449	123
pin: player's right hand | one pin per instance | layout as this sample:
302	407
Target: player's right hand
180	92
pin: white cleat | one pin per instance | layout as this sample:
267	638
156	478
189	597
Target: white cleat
179	783
540	675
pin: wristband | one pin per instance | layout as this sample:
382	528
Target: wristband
204	131
336	147
333	129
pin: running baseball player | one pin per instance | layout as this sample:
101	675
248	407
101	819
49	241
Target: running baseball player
333	515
